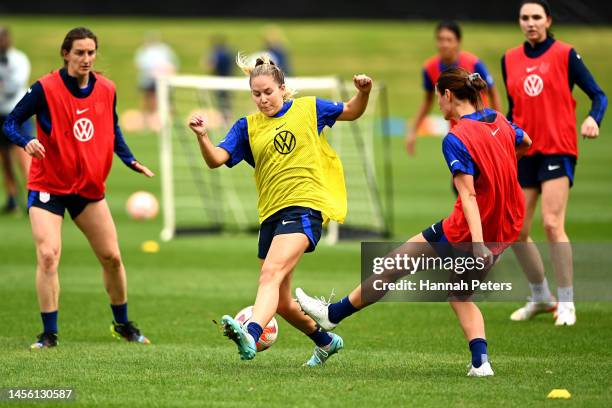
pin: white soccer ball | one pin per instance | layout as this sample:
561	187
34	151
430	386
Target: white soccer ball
270	332
142	206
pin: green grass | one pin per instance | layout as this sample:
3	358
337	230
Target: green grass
396	354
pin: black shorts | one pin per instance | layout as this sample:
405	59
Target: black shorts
288	221
58	204
26	128
533	170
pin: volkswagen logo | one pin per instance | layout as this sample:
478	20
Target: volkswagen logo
284	142
533	85
83	129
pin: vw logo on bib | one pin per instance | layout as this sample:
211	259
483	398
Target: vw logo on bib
83	129
533	85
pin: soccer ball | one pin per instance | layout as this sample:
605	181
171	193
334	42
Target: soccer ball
142	206
270	332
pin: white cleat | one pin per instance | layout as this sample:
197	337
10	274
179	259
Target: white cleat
531	309
317	309
484	370
565	315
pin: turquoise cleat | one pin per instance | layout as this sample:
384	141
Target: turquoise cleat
321	354
235	332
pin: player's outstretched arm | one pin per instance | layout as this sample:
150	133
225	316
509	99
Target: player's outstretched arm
355	107
213	156
411	129
465	188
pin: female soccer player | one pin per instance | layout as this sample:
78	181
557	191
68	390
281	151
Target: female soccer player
480	151
300	183
72	156
448	42
539	76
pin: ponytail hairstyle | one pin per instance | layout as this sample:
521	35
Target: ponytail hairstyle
463	85
79	33
264	66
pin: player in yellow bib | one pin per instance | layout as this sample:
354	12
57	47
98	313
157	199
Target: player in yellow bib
300	185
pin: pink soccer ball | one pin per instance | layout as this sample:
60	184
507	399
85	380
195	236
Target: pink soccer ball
270	332
142	206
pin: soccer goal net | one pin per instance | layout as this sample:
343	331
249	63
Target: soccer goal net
198	200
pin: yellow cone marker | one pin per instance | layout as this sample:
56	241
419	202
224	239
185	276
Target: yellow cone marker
559	393
150	247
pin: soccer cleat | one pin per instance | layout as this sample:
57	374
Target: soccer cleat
321	354
129	332
45	340
565	315
531	309
317	309
484	370
238	334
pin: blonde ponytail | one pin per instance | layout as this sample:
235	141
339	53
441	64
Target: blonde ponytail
264	65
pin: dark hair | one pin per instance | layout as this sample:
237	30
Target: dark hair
544	4
463	85
450	25
78	33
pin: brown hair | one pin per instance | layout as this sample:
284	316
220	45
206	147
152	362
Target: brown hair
463	85
78	33
264	66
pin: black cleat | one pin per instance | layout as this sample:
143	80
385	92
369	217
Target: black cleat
129	332
45	340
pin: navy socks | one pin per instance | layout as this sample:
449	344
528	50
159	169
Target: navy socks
255	330
341	310
321	338
120	313
49	321
478	347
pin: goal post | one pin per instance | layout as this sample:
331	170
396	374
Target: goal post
198	200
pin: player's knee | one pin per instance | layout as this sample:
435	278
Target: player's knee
111	260
553	225
48	258
272	274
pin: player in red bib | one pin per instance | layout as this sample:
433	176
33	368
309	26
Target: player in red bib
480	151
539	76
448	42
72	156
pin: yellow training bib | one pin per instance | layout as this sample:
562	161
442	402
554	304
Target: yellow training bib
294	165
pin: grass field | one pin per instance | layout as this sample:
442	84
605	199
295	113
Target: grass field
396	354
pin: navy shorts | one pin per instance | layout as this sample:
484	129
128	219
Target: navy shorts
58	204
533	170
288	221
436	238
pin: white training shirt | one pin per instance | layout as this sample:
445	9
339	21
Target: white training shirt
13	79
155	59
